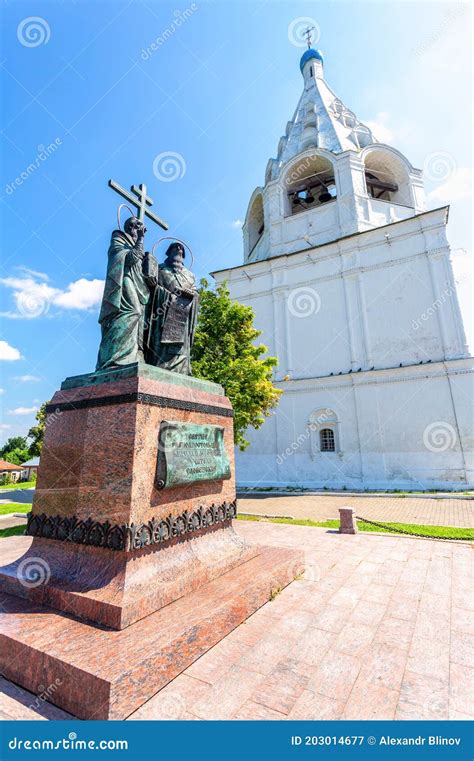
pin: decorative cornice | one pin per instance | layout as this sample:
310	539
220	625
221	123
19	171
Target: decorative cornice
140	398
128	536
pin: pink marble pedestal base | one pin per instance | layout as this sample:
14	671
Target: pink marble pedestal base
103	674
116	589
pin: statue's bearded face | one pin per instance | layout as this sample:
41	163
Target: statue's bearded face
131	228
177	257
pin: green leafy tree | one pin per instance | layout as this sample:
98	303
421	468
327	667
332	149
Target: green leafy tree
14	442
36	432
17	456
224	351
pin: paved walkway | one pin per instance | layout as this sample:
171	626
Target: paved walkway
432	512
380	627
25	496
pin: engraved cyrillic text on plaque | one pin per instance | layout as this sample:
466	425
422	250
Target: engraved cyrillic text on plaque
188	453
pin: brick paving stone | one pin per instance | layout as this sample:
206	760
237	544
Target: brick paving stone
384	665
311	646
332	618
462	620
251	711
369	701
423	697
224	698
216	662
395	632
355	638
461	690
370	613
174	701
335	675
462	648
282	688
429	657
311	705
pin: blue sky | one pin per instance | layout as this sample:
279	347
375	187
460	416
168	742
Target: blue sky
86	98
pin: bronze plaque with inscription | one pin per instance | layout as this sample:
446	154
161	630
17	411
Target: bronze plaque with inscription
188	453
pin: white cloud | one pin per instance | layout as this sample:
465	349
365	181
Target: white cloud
2	391
456	187
32	273
82	294
34	298
4	426
236	224
379	128
23	411
27	378
8	352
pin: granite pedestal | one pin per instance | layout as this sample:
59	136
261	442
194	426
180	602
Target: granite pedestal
111	550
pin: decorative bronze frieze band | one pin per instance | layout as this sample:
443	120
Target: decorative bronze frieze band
127	537
136	396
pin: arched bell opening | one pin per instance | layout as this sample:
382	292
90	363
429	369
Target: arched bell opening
309	183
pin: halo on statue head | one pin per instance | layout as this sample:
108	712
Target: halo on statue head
176	240
122	205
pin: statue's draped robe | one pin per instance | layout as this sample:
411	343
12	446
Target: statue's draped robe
126	293
162	350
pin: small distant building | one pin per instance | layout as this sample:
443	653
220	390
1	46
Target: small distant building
8	469
29	468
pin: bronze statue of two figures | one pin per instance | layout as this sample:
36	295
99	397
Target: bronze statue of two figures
148	311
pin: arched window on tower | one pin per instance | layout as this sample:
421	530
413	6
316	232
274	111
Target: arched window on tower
310	183
387	177
324	427
256	223
327	441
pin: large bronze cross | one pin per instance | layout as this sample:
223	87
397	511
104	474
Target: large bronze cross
140	200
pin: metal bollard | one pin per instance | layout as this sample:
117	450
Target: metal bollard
347	521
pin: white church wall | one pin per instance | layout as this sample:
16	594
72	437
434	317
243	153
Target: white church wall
395	429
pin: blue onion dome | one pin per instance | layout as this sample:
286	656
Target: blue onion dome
308	55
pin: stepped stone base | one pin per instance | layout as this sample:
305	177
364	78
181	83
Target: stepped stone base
99	673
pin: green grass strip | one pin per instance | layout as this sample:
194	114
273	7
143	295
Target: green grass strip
14	507
433	531
12	531
22	485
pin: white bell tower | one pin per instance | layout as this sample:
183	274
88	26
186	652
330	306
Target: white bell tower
352	286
